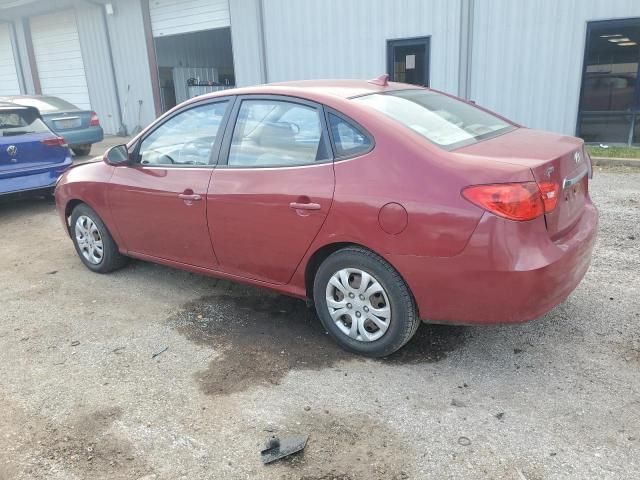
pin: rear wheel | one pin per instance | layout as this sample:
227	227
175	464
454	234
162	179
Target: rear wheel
93	242
81	150
364	303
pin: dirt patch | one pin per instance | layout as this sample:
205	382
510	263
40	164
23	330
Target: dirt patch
347	448
85	447
262	336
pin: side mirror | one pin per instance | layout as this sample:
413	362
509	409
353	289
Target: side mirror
118	155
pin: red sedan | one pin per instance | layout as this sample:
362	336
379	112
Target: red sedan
382	203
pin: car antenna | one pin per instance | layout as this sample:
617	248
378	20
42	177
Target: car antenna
382	80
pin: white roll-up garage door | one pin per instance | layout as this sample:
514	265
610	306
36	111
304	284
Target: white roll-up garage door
170	17
58	56
9	84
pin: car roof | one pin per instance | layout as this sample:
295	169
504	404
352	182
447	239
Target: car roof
4	105
318	89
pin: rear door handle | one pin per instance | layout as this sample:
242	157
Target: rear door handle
305	206
190	197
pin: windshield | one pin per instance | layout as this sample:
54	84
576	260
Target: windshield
45	104
20	122
443	120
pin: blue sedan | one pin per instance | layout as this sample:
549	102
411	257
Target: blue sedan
80	128
32	157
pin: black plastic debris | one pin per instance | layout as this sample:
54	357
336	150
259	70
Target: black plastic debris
277	448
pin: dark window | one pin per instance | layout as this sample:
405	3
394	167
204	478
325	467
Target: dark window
408	60
186	139
276	133
609	103
348	139
21	122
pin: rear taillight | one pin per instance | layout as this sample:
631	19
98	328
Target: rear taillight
515	201
95	121
54	142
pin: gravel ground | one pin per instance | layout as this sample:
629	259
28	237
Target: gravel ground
82	395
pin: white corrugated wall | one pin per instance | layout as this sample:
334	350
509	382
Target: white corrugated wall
170	17
133	76
528	55
97	66
9	83
347	38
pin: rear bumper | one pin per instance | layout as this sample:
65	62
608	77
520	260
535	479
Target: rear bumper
33	179
82	136
510	272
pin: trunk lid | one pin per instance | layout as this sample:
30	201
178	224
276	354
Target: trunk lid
22	136
67	120
552	158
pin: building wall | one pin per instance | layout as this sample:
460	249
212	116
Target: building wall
527	57
133	77
246	38
347	39
97	66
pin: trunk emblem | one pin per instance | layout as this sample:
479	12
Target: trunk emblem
12	150
549	171
577	157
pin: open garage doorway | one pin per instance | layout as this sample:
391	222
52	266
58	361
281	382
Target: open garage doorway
192	64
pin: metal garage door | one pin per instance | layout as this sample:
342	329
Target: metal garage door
9	84
58	57
169	17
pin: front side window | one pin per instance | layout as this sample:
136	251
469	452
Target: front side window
276	133
186	139
443	120
347	138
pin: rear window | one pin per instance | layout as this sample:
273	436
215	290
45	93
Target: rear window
444	121
46	104
21	122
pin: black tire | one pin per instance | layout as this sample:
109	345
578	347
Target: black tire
111	259
403	321
81	150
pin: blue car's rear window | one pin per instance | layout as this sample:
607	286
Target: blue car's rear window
20	122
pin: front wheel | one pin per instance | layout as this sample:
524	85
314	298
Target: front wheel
364	303
93	242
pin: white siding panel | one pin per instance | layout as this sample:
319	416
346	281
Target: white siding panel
9	83
527	57
56	45
347	38
170	17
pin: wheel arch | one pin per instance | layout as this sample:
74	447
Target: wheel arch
322	253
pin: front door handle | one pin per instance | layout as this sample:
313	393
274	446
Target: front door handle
305	206
190	197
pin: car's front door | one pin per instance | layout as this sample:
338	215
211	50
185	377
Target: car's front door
272	191
158	202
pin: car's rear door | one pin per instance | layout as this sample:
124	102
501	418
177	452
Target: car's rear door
273	188
158	202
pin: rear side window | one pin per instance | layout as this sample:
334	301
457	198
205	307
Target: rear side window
349	140
276	133
21	122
